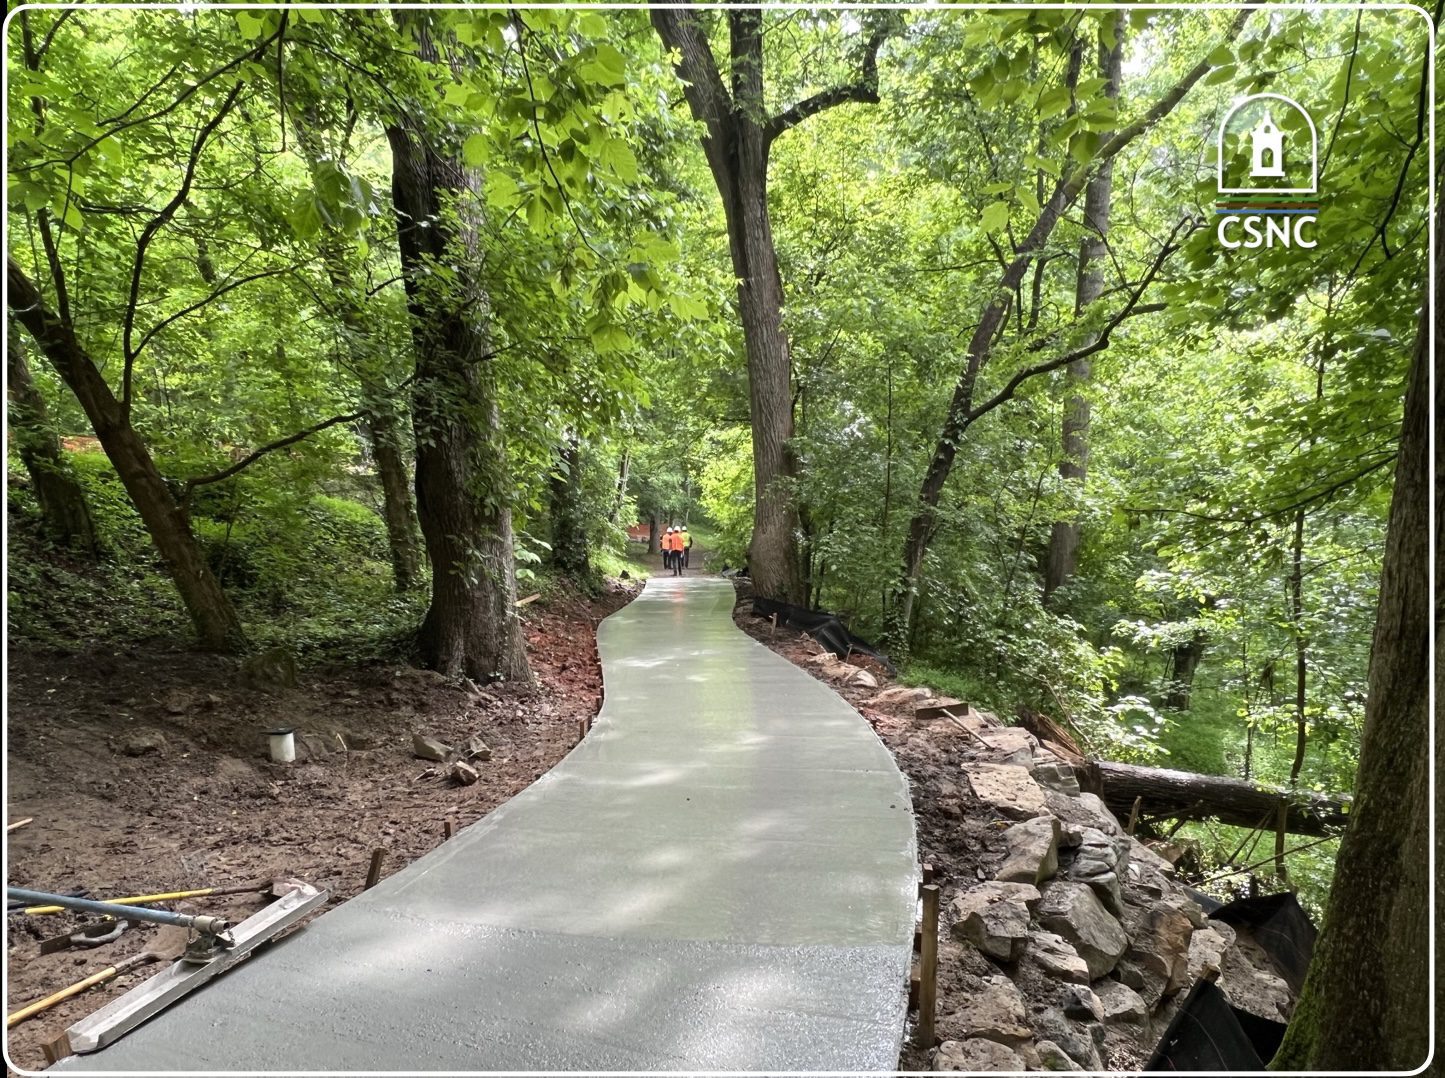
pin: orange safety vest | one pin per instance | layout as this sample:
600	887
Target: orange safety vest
676	541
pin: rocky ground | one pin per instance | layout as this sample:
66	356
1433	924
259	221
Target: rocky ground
147	772
1064	943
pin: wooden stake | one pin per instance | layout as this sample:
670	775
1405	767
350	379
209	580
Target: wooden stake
18	824
373	874
1134	816
57	1049
928	967
927	873
581	729
449	827
1281	828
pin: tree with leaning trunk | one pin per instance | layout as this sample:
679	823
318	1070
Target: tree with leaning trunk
63	507
739	136
216	623
463	485
962	409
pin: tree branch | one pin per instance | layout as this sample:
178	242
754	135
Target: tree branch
153	226
1188	225
863	91
251	458
237	283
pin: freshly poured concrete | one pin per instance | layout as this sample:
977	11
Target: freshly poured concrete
720	877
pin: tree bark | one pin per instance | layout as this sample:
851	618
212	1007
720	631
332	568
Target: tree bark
1183	794
619	496
569	529
215	620
1184	660
1064	538
63	508
652	527
397	507
1365	1003
463	486
739	136
381	426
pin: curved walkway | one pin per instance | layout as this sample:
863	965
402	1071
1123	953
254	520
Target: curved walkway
720	877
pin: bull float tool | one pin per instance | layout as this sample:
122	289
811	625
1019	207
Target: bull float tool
215	946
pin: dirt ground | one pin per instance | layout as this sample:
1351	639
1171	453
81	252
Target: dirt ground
148	772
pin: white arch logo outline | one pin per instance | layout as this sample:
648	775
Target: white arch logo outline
1314	150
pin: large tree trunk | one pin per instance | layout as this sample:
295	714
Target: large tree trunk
1366	1001
1186	795
739	135
463	487
1184	662
63	507
212	614
1063	559
652	527
381	424
397	507
569	529
619	497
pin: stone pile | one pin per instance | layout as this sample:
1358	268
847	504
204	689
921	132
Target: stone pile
1079	948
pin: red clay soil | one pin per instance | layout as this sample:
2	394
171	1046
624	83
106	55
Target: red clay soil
148	772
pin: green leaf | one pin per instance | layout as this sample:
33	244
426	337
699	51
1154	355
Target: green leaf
995	217
475	150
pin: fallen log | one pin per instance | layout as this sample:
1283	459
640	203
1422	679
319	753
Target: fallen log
1184	795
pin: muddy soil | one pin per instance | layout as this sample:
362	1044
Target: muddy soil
149	772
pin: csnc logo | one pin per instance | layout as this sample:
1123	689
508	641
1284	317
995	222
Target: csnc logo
1268	175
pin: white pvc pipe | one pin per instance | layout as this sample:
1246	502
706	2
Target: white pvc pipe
283	746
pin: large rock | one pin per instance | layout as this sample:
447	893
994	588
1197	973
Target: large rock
1080	1042
1055	1058
1100	862
429	748
1121	1003
1033	851
1082	1003
976	1055
993	1009
1008	788
994	917
1074	912
1009	745
270	671
1157	960
1057	958
1077	814
1056	775
1207	948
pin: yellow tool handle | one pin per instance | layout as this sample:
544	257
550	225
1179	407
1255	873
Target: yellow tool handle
65	993
133	900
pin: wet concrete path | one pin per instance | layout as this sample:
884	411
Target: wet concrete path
720	877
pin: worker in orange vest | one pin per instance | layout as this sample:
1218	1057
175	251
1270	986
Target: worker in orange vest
676	546
667	548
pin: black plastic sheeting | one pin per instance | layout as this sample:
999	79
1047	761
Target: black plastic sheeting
821	626
1207	1034
1281	926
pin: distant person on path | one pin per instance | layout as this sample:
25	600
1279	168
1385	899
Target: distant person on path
667	548
677	552
686	547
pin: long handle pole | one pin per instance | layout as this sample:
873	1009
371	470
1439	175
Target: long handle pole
209	925
74	990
